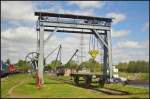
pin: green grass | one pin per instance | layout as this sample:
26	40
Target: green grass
127	88
137	76
60	87
133	91
52	88
9	82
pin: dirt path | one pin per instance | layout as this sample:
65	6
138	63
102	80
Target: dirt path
12	88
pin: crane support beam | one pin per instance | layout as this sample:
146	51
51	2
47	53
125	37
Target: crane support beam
41	55
71	16
75	26
99	38
50	35
69	30
109	53
106	41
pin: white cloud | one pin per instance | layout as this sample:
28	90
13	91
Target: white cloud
88	4
126	51
19	13
120	33
21	34
15	50
126	55
17	42
77	12
17	10
60	9
145	44
57	7
118	17
128	44
132	44
145	27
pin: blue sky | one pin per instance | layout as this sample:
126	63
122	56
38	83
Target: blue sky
130	30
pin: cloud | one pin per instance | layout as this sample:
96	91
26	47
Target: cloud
126	51
77	12
20	34
15	50
145	44
20	13
132	44
128	44
87	4
17	42
17	10
60	9
118	17
120	33
145	27
126	55
57	7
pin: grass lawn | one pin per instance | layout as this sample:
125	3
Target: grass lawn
128	88
137	76
60	87
9	82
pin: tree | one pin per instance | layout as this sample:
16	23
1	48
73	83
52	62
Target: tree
85	64
91	64
49	66
8	61
22	65
54	64
134	67
122	67
72	65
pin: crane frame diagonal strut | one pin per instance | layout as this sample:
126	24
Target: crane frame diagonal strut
68	23
50	35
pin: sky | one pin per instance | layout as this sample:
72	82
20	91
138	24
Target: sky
129	32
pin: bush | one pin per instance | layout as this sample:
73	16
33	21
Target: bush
134	67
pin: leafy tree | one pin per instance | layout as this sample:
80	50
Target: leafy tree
91	64
8	61
72	65
85	64
134	67
49	66
54	64
122	67
22	65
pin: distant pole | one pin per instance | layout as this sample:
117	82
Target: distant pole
81	48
